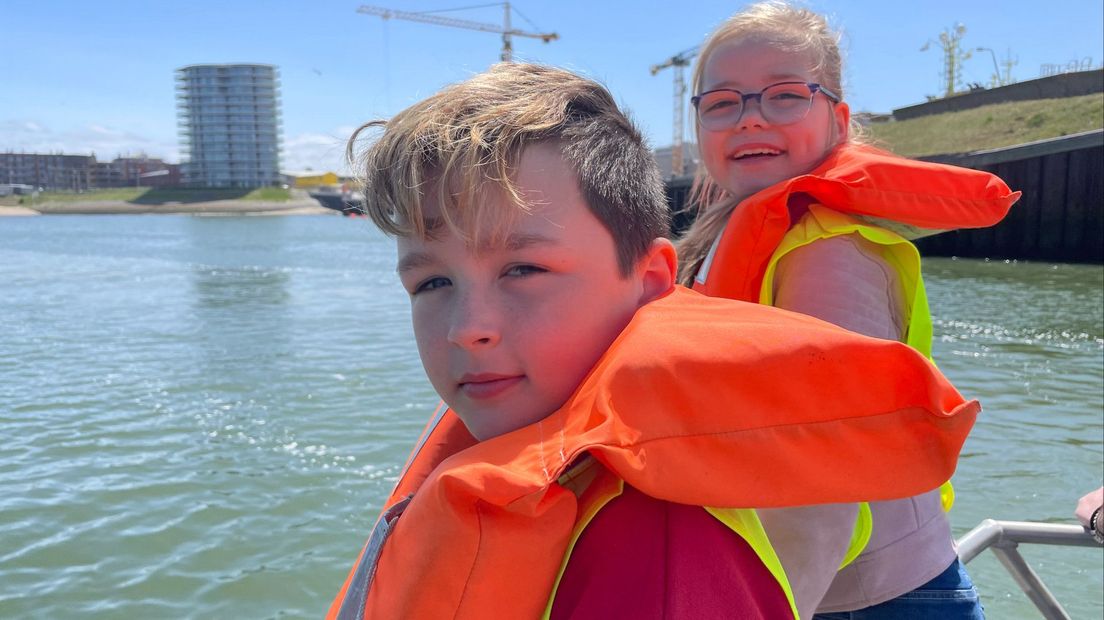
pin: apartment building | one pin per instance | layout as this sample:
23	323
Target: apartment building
229	121
48	171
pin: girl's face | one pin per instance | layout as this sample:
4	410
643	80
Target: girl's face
751	153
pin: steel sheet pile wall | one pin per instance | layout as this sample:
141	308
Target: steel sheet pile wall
1061	214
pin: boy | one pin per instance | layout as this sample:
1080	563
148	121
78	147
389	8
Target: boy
594	408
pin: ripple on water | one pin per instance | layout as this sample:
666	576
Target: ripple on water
200	417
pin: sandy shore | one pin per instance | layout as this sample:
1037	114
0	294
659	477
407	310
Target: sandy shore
217	207
5	211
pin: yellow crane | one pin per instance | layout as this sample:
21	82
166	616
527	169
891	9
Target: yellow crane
506	30
679	62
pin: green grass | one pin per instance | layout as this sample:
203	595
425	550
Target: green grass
122	194
990	127
160	196
269	194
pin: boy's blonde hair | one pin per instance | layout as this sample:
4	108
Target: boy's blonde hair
790	29
465	143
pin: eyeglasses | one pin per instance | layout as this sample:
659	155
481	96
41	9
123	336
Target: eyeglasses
780	104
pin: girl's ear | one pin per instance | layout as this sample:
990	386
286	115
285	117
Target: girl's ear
657	269
841	116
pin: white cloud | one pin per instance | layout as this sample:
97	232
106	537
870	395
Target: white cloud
317	151
30	136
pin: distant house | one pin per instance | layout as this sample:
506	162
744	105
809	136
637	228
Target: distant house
140	171
50	171
310	178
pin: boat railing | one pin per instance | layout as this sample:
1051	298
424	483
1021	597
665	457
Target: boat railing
1005	536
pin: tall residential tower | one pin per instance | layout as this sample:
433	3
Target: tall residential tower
229	119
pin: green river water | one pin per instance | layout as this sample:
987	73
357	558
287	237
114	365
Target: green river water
199	417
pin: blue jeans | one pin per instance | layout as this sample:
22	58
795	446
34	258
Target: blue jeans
950	596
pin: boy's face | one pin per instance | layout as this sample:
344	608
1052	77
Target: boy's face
507	331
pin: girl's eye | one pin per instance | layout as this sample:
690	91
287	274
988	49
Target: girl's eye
717	106
789	95
431	284
523	270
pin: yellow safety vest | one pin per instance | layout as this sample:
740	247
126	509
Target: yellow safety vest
899	253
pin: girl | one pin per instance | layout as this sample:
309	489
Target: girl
794	213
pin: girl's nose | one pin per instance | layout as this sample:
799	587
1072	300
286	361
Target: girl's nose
474	322
752	115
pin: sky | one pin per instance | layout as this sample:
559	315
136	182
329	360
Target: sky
85	77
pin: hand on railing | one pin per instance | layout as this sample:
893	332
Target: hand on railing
1089	513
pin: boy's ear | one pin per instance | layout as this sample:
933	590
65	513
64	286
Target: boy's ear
657	270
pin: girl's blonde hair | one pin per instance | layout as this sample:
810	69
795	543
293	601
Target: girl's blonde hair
787	28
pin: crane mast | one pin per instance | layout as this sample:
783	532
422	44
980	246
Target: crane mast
506	30
678	63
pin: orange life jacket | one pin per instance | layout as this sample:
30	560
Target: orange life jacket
902	195
699	401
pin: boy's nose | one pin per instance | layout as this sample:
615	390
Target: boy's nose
474	323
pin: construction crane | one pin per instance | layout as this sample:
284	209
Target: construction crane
506	30
679	61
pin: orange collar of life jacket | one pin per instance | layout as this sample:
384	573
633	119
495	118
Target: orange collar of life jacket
699	401
859	180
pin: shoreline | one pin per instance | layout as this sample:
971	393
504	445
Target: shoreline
213	208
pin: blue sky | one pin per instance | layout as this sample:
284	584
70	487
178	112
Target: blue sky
82	77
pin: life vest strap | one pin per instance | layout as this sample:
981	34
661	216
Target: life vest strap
356	596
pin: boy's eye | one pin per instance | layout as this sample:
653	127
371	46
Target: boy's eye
523	270
431	284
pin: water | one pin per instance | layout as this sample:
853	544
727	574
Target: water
199	417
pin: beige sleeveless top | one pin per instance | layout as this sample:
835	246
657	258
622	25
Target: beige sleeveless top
911	542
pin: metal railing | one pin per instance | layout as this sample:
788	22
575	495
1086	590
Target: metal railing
1005	536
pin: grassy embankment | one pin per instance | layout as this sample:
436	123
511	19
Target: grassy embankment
990	127
157	196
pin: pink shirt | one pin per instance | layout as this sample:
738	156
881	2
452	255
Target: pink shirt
843	280
645	558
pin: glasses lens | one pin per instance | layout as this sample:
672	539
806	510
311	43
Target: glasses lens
719	108
786	103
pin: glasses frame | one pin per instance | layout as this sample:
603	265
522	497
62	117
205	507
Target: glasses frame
814	88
